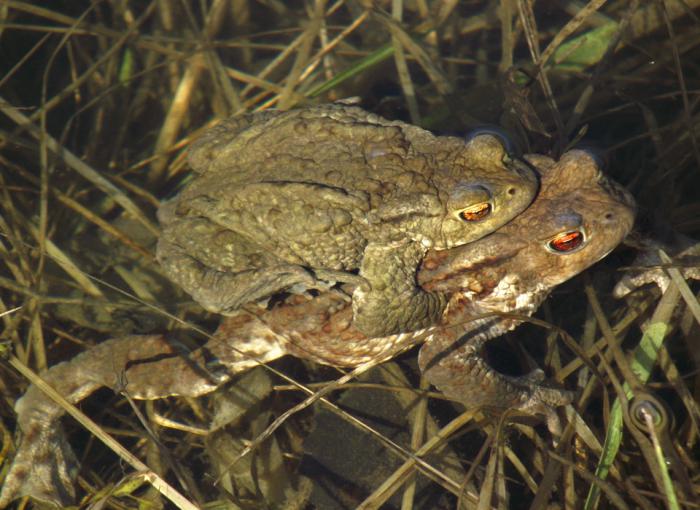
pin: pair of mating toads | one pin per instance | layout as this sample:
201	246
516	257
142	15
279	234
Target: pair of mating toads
402	235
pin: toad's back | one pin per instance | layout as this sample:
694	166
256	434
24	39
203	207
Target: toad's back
332	188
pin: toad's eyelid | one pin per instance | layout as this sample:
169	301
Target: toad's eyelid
565	221
506	140
599	156
470	195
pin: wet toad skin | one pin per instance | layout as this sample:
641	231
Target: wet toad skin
294	200
578	217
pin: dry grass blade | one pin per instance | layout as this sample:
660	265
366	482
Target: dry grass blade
50	104
430	66
69	266
402	67
176	114
182	100
486	494
10	311
328	48
384	491
615	497
79	166
303	55
682	285
527	19
613	343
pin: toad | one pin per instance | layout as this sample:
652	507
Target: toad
578	217
295	200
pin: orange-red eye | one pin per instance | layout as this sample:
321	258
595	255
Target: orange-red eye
476	212
566	241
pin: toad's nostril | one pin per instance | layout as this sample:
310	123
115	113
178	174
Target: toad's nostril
609	216
512	191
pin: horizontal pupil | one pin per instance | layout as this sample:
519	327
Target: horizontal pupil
567	241
475	212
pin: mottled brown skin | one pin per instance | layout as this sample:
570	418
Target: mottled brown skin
295	200
512	270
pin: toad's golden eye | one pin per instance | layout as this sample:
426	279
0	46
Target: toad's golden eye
566	241
476	212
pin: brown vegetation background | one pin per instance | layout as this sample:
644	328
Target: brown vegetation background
99	101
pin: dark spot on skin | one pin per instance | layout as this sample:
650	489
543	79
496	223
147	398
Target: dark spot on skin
30	434
430	265
43	459
132	363
435	259
236	322
20	473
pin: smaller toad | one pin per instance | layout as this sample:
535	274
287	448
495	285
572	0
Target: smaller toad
286	201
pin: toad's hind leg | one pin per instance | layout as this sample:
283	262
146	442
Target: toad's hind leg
220	269
392	302
457	368
144	367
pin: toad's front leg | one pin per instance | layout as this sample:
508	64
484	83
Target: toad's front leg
650	268
392	302
456	366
